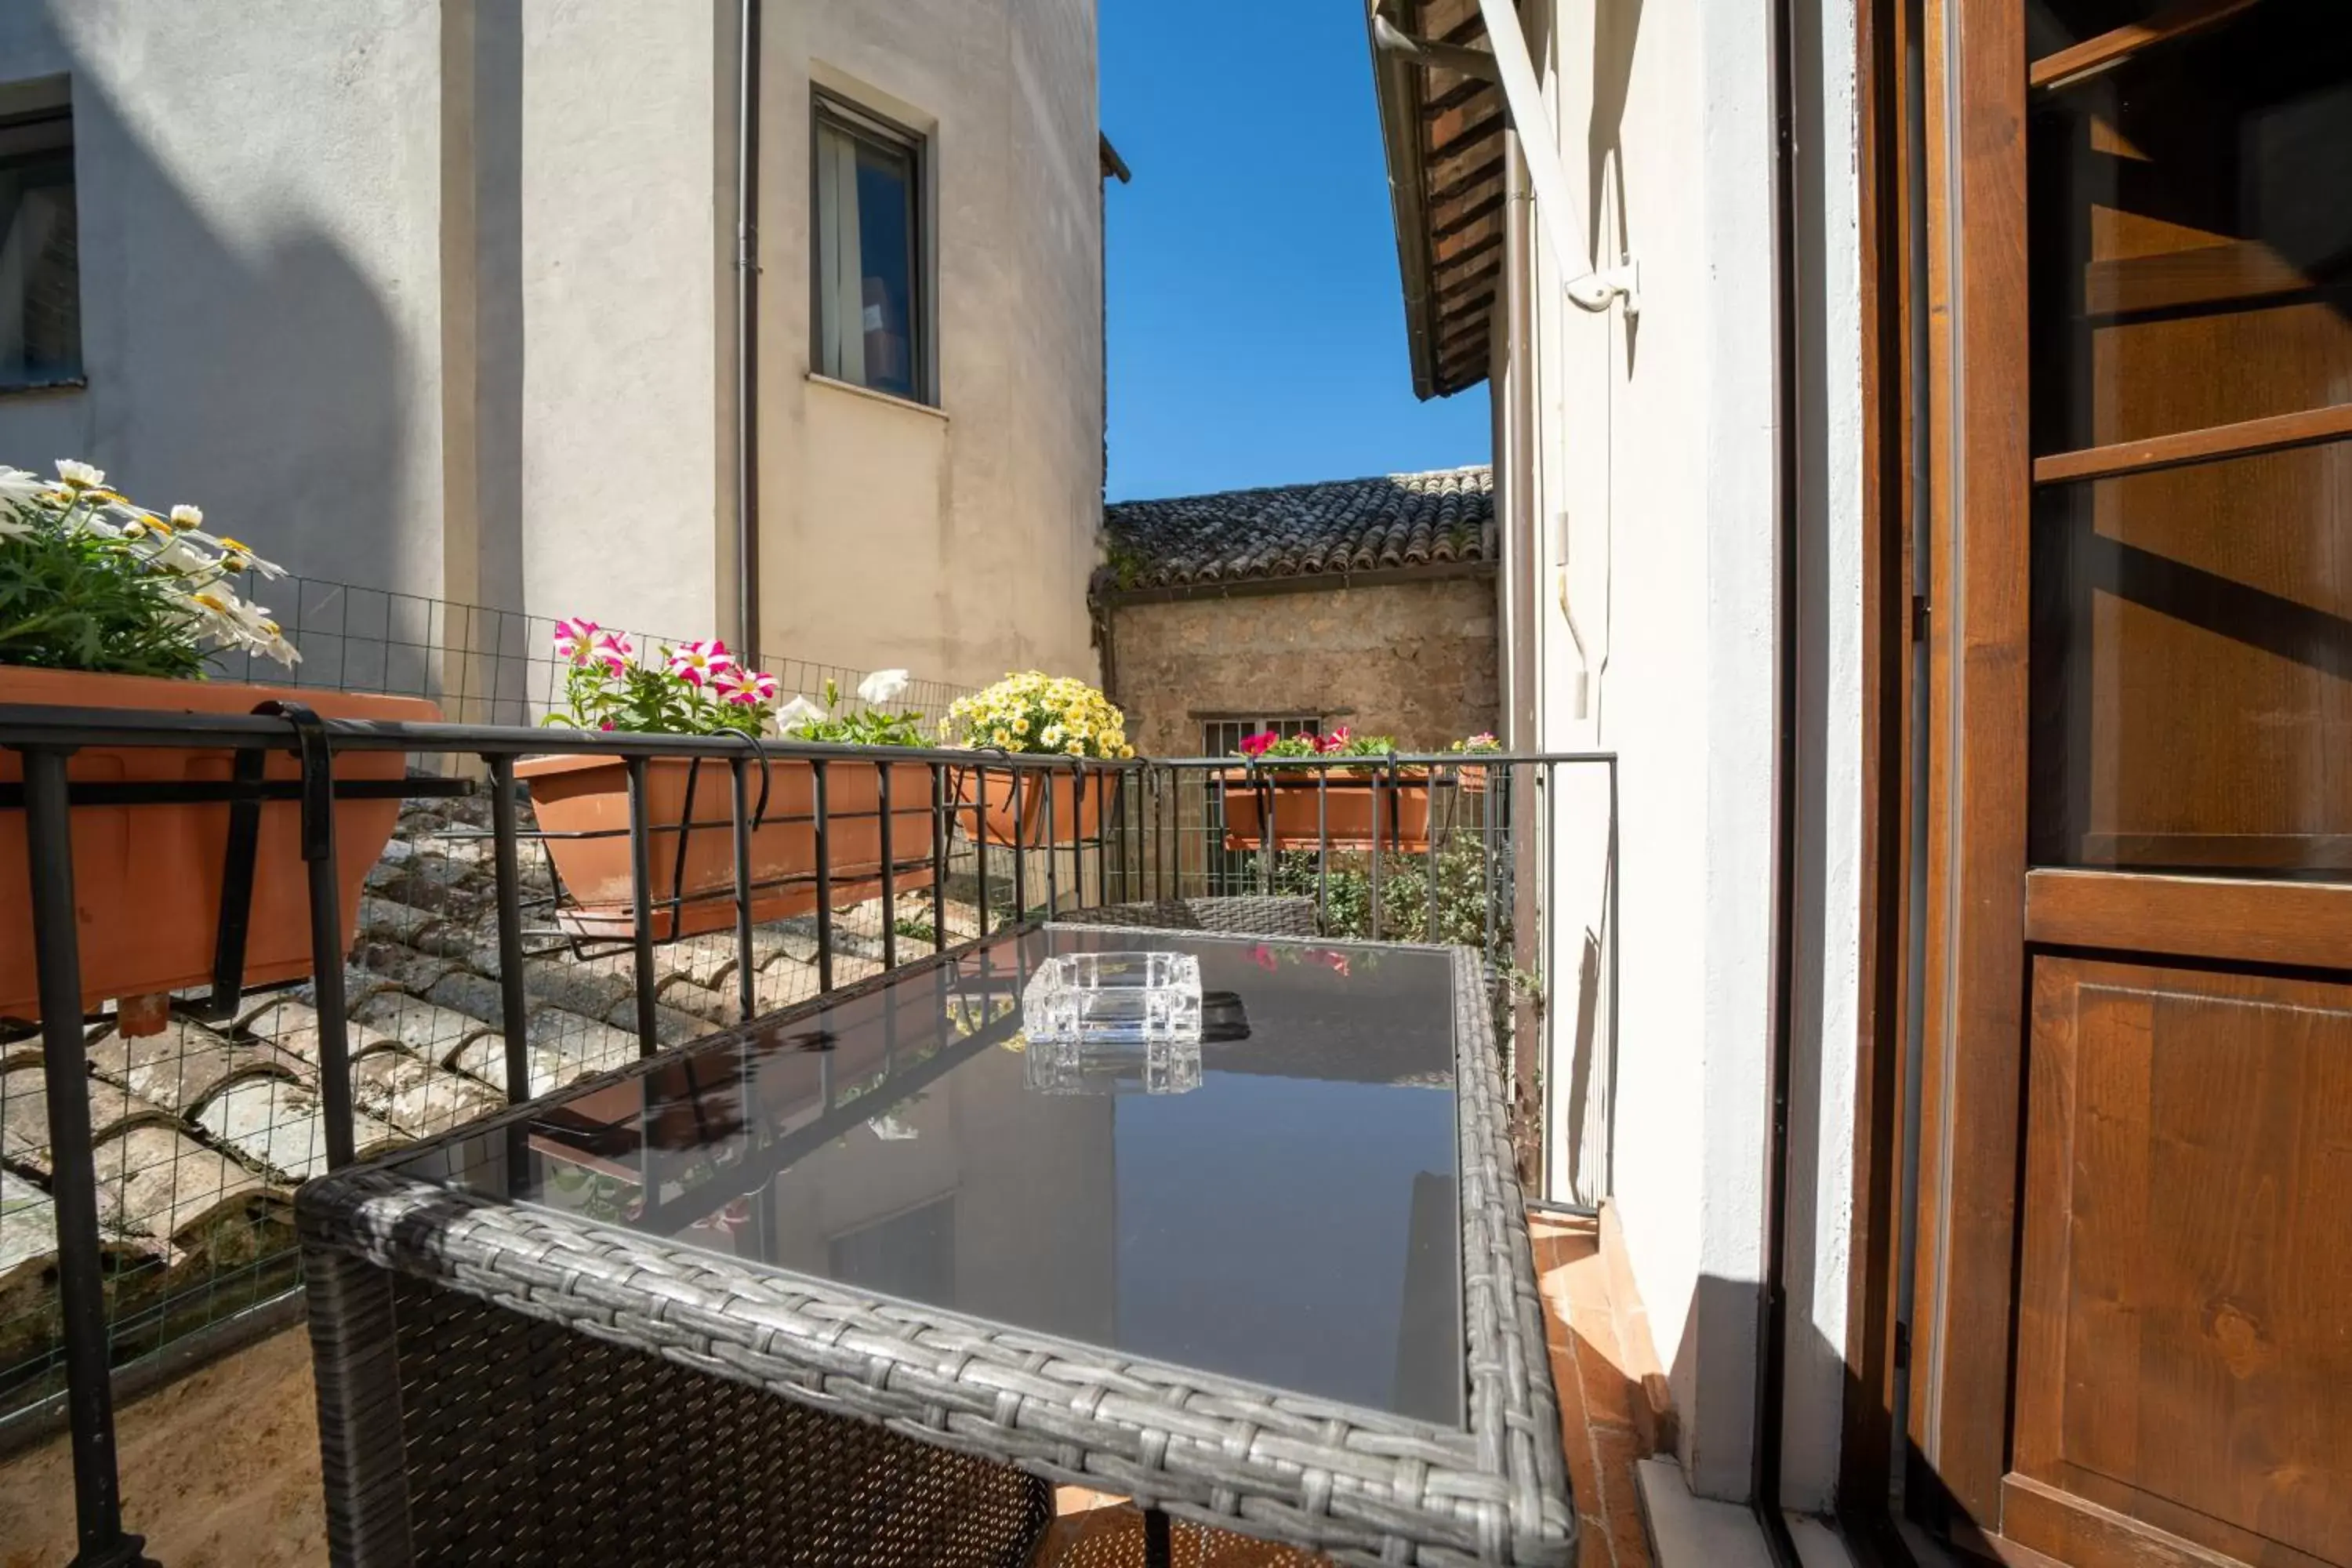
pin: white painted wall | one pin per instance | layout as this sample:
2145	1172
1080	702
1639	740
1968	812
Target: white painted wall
436	297
1654	463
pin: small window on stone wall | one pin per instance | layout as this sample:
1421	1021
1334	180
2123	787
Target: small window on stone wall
1223	737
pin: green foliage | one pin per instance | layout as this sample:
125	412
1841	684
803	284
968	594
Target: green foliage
1126	562
915	930
78	600
649	700
1464	887
866	727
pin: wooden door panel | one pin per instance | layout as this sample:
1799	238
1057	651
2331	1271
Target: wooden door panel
2184	1354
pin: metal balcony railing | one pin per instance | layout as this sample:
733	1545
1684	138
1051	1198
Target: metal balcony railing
147	1177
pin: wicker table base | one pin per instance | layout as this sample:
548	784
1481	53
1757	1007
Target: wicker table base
523	1444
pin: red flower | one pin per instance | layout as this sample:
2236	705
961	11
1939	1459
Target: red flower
1266	959
1256	745
1338	961
1337	741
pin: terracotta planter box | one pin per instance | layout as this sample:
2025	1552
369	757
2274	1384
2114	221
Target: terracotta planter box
147	878
591	794
1346	820
1077	816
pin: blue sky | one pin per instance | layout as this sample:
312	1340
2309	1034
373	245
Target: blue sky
1256	326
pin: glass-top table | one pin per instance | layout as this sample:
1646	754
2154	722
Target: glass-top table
1288	1218
1183	1280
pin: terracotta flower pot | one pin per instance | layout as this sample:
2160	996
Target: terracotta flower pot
147	878
988	796
591	794
1346	817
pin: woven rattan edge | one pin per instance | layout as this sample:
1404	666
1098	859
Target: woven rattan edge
1362	1486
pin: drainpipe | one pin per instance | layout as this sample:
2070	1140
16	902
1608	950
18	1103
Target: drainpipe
746	323
1519	473
1516	476
1772	1327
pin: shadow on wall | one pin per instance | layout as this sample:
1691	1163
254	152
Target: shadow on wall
265	380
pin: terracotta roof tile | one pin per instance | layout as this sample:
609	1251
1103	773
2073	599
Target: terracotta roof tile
1385	523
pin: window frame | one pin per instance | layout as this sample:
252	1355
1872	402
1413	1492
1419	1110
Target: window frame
1292	722
830	109
27	107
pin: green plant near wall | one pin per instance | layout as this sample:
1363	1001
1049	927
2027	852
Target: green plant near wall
1126	564
1465	884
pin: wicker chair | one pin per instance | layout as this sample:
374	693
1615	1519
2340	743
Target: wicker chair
1249	915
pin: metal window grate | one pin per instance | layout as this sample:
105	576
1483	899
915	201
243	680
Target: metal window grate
1232	871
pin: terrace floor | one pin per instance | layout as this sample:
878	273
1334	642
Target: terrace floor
220	1467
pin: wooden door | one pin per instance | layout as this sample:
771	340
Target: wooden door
2133	1342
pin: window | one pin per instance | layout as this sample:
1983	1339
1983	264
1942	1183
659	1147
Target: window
869	253
40	287
1223	737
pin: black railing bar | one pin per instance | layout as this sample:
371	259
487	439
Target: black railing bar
241	850
1497	791
641	876
747	984
328	948
824	880
1101	842
1020	854
1322	847
882	772
1433	827
212	792
82	1291
514	1000
979	846
1052	854
938	860
23	724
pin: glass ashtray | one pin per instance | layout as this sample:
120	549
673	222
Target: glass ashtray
1113	999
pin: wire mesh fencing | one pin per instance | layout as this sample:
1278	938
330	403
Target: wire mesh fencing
482	665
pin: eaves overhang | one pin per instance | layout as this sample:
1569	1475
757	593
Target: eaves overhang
1441	132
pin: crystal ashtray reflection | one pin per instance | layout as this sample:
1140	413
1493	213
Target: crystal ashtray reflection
1157	1066
1113	999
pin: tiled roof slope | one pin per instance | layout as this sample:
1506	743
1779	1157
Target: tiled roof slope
1389	522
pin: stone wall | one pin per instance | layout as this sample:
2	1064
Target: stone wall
1416	661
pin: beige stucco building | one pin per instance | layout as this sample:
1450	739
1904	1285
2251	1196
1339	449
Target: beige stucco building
439	297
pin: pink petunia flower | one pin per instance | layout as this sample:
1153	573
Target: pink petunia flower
576	640
751	687
1266	958
613	651
697	662
1256	745
1334	741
